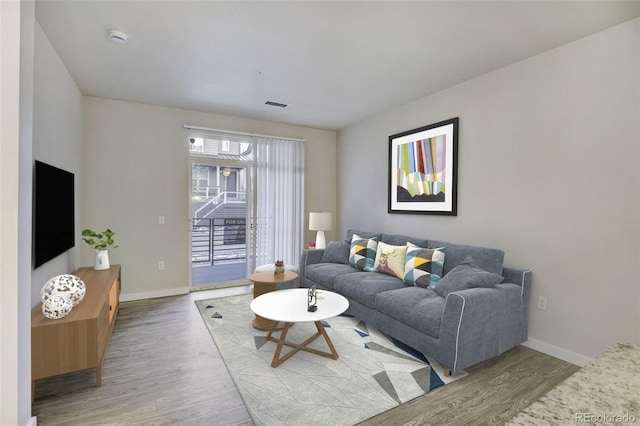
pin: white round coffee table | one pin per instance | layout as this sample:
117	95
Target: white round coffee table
289	307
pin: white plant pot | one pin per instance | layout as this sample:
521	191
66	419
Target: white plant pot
102	260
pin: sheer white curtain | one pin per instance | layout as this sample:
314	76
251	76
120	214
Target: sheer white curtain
279	200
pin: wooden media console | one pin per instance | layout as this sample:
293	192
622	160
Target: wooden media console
79	340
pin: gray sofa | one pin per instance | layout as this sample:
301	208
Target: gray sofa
465	327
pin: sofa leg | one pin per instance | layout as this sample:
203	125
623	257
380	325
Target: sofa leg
447	371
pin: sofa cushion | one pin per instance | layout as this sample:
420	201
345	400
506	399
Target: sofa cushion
362	253
363	287
336	252
417	307
423	267
326	273
487	258
390	259
466	275
400	240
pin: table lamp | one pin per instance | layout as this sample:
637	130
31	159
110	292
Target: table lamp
320	222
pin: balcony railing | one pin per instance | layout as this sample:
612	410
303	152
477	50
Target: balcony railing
218	241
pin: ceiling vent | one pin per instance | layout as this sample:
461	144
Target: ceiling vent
276	104
118	37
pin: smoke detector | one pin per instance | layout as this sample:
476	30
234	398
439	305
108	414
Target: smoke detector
118	37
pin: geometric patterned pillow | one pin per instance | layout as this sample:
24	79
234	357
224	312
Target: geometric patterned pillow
423	267
363	252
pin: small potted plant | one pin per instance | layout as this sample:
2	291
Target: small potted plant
279	267
101	243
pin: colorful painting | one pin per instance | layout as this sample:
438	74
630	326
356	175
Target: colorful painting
422	169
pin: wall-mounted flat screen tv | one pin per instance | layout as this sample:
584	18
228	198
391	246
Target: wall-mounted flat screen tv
53	212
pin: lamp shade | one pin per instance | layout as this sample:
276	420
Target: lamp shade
320	221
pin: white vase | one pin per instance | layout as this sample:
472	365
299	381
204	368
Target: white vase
102	260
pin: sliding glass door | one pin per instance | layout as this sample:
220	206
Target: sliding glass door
221	210
232	227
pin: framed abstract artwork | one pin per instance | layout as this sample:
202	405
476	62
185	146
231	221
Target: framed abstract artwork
423	167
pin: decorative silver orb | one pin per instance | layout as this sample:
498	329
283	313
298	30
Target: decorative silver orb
56	307
67	285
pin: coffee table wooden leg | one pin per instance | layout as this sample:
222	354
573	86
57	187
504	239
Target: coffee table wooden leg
322	331
283	335
281	340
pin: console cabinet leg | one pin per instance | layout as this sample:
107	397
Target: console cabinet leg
99	376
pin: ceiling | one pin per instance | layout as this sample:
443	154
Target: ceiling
334	63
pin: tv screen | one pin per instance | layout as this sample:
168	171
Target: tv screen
54	217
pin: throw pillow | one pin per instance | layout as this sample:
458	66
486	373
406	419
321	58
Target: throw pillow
336	252
423	266
390	259
466	275
363	252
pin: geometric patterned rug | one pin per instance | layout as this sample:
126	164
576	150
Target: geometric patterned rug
373	373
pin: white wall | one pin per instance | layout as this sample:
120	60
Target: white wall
27	69
136	169
548	171
9	172
16	102
57	140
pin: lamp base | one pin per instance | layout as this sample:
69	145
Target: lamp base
320	241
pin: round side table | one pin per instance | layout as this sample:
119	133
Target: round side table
264	282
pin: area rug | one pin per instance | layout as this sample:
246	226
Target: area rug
372	374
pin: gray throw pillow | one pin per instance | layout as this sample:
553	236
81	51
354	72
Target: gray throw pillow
464	276
336	252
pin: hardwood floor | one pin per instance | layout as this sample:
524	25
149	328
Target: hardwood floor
162	368
492	393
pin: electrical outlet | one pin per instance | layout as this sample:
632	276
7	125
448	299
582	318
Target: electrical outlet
161	265
542	303
161	220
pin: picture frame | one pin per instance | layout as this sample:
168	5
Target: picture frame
423	168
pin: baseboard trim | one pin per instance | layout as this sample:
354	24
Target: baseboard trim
33	421
128	297
557	352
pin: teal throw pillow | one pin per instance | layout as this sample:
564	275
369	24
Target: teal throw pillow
362	253
423	266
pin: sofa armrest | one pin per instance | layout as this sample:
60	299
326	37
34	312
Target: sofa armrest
521	277
309	257
481	323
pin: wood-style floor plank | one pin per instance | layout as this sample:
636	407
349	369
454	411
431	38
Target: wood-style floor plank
162	368
492	393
